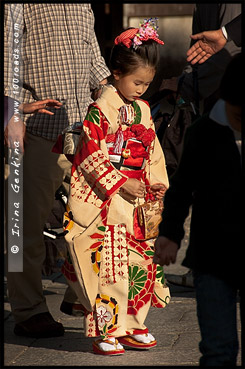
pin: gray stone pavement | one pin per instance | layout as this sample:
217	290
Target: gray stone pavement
175	328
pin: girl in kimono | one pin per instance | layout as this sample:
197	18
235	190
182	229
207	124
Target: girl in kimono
118	162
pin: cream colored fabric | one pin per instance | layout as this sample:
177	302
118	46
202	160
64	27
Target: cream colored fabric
115	277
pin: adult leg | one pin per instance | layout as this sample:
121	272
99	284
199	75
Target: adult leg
216	311
71	304
42	176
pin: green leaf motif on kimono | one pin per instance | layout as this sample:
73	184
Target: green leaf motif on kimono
137	280
137	111
101	228
149	253
166	300
94	116
103	332
160	274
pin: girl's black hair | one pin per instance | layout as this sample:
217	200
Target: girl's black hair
126	60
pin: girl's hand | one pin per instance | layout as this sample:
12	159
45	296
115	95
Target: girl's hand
158	190
134	187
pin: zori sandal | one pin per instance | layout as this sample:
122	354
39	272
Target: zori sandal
109	346
139	341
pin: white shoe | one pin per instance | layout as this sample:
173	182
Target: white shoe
109	346
144	338
139	341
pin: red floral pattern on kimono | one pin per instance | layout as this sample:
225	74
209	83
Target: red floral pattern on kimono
116	279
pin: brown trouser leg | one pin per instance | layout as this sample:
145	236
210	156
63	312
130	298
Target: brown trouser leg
43	174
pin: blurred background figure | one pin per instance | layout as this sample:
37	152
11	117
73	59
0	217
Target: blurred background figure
196	90
209	169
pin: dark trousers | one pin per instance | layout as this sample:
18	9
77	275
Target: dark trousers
242	310
217	317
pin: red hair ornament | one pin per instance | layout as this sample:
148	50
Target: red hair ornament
135	36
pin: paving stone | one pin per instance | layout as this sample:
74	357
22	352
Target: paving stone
175	328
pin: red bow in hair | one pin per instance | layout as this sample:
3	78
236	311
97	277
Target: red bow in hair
135	36
126	37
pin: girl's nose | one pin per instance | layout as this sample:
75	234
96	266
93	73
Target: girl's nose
140	90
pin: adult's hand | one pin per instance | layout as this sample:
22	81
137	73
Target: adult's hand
98	91
165	251
14	133
15	129
40	106
208	44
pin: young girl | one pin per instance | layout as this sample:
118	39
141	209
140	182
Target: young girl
118	161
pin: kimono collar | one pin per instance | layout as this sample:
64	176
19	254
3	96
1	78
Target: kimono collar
113	107
113	98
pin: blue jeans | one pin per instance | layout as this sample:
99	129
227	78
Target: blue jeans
217	317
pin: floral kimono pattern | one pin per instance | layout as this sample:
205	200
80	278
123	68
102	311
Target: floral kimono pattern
112	273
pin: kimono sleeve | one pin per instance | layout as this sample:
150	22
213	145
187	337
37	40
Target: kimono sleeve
158	172
91	165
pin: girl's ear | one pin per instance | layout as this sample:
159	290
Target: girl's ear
116	74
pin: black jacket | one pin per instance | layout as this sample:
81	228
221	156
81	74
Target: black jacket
234	30
209	177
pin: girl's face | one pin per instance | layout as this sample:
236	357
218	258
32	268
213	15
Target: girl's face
132	86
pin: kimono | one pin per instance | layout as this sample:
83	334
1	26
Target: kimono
112	273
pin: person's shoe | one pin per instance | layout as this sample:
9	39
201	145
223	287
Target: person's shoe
109	346
71	309
40	325
185	280
138	341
